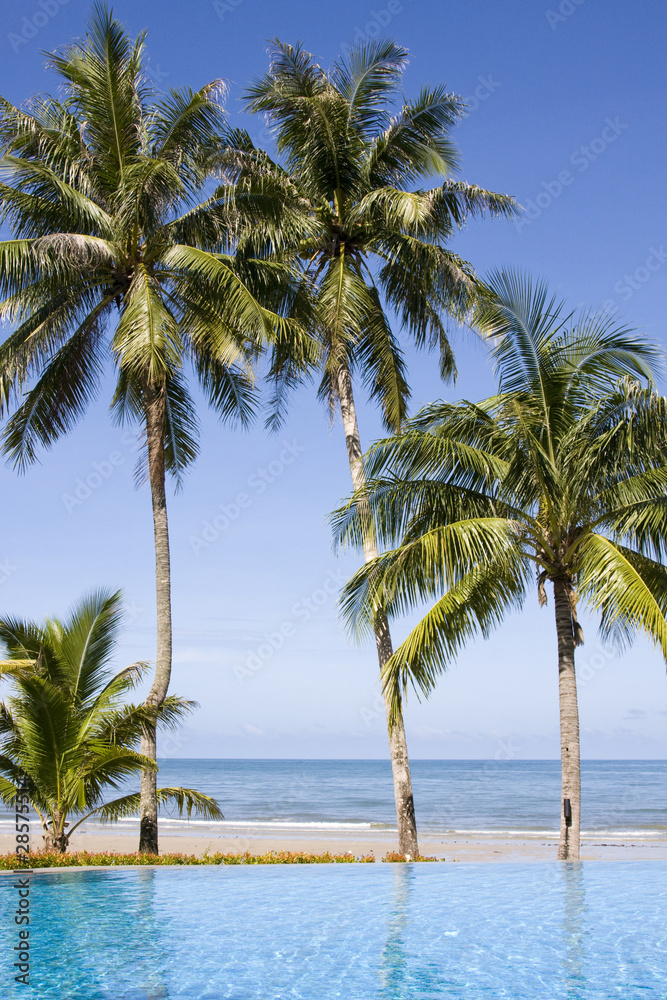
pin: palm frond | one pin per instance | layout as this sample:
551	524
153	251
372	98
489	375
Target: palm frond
67	384
629	591
185	799
380	359
369	76
424	568
181	427
416	143
85	642
475	605
147	340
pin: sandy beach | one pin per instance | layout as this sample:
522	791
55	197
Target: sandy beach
460	849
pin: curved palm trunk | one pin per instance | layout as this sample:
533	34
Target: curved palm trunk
568	847
398	748
148	831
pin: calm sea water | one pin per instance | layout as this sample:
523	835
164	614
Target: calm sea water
348	796
354	932
619	797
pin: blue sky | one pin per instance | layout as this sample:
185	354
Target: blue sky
567	111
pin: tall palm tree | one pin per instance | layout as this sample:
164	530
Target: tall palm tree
561	479
120	251
343	200
66	733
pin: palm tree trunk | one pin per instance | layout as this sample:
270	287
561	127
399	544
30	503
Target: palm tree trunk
148	831
568	848
55	838
398	748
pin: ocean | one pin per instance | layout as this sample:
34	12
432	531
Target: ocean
343	797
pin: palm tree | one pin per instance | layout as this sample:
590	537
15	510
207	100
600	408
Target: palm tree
561	479
66	734
120	250
342	201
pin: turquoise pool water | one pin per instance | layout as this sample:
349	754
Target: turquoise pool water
391	932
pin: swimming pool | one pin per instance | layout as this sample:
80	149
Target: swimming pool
359	932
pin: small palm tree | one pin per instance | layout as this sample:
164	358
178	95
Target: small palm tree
561	478
343	202
65	732
120	251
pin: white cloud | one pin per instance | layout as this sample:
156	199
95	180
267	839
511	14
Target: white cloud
251	730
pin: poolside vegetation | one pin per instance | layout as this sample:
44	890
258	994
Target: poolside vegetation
86	859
